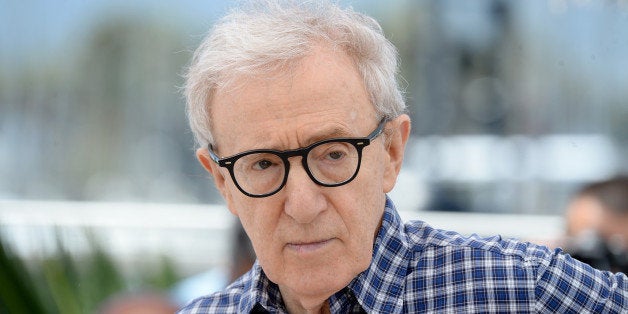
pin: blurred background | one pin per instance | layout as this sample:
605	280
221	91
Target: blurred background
515	105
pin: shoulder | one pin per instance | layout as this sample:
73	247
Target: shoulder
423	237
502	273
449	271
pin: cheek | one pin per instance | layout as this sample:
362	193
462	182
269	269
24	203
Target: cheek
368	184
362	213
362	230
259	219
375	167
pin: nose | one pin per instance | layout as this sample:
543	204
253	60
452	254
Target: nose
304	200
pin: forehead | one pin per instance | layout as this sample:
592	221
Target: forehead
322	93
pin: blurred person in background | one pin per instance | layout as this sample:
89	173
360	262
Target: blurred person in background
302	125
597	224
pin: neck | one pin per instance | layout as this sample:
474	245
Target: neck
319	309
296	305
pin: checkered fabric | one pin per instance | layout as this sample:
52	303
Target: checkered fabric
419	269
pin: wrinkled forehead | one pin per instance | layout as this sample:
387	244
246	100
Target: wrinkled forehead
233	85
271	68
325	90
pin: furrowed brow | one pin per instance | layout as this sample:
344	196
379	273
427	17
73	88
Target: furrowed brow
330	134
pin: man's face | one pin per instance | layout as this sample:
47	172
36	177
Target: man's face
310	240
584	214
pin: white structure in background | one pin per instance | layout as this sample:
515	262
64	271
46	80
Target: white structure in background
483	158
511	174
196	237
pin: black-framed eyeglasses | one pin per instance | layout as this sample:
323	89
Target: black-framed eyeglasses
331	162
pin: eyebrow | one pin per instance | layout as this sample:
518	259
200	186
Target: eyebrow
331	134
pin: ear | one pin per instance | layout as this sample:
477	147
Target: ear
220	176
397	137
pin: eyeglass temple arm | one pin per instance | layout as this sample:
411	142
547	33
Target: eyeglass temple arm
213	155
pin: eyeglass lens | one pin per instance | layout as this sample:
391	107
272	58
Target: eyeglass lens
328	163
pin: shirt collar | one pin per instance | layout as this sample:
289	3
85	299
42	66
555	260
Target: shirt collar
378	289
258	289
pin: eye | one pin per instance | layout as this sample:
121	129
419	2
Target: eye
332	152
262	164
336	155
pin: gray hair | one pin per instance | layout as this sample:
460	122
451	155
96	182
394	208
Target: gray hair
266	36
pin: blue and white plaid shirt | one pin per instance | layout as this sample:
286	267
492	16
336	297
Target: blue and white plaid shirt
419	269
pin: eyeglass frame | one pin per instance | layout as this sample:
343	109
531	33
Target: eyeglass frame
358	142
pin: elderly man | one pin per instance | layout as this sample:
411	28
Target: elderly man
301	124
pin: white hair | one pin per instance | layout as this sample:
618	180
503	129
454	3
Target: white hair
267	36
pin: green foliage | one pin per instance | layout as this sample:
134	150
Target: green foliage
17	294
164	276
72	284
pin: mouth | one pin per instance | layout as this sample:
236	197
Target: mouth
307	247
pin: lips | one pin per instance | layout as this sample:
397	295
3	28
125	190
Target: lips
308	247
